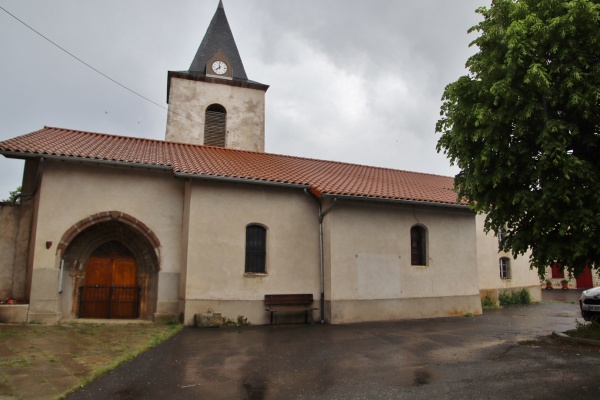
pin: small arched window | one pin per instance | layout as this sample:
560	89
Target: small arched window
256	249
504	264
215	125
418	245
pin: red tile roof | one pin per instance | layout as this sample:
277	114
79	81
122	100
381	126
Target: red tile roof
324	178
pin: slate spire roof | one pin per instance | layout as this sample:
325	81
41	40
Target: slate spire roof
218	37
322	178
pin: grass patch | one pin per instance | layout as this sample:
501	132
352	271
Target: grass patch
586	330
20	362
145	342
81	349
512	297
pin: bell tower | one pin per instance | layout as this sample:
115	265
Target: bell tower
214	103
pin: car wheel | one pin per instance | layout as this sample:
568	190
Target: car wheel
586	315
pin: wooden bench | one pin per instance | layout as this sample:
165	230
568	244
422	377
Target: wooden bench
275	303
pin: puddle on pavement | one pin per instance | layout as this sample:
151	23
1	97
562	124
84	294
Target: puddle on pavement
422	378
255	387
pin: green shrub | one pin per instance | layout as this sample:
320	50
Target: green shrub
586	330
241	321
511	297
488	303
524	296
504	298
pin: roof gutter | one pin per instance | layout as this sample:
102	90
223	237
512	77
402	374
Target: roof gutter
86	160
242	180
397	201
324	195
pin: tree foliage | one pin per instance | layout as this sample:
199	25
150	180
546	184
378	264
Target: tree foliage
523	129
12	196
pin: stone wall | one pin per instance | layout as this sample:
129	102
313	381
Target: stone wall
15	221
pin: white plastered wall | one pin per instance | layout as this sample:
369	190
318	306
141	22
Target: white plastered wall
71	192
219	213
369	271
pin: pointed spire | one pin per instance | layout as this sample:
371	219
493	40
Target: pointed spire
219	37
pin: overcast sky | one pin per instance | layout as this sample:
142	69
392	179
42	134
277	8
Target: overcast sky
353	81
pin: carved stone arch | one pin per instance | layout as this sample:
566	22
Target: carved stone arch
109	216
84	237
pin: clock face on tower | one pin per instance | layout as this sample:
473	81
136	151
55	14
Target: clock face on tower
219	67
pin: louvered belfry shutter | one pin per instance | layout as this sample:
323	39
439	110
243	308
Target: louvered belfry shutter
215	126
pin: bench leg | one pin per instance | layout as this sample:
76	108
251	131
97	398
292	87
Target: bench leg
306	314
274	312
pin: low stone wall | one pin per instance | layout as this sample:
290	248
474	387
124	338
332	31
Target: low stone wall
9	221
15	221
14	313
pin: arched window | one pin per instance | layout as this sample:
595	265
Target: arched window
256	249
418	245
215	125
504	264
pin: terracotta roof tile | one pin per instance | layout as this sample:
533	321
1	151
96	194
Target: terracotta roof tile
324	178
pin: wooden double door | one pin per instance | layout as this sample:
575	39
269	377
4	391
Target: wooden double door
110	288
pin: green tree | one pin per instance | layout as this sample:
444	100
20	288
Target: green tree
12	195
523	127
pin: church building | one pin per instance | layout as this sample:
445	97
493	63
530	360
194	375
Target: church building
133	228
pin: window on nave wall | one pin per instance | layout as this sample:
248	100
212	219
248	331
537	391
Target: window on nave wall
256	249
418	245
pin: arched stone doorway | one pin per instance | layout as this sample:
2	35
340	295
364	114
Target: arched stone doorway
110	249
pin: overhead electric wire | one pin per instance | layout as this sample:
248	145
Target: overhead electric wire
88	65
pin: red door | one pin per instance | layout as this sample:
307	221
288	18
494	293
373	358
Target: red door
584	280
110	288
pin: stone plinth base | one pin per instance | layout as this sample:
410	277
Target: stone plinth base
14	313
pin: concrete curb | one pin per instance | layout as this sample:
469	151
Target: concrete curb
565	338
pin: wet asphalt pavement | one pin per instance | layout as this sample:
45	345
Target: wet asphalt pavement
504	353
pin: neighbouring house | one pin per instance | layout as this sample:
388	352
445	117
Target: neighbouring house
556	278
123	227
509	273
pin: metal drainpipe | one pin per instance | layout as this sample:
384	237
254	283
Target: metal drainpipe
38	175
321	251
